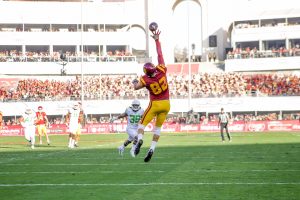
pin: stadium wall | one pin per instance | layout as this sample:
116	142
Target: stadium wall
211	105
109	128
265	33
262	64
72	68
66	38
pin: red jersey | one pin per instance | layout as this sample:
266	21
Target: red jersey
81	116
40	118
1	116
158	84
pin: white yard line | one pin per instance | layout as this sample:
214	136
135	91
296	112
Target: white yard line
149	171
110	144
85	164
145	184
156	157
142	163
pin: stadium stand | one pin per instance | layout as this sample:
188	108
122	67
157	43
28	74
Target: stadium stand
119	86
262	41
31	66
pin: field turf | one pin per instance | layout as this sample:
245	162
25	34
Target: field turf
255	166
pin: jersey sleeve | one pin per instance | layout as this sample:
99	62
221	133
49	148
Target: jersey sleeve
142	80
162	68
160	57
126	111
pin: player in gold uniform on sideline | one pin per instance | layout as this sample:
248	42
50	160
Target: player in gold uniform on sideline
42	124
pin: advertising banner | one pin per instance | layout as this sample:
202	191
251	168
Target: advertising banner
104	128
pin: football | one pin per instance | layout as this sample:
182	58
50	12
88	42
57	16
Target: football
153	26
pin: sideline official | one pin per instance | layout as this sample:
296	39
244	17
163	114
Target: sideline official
223	121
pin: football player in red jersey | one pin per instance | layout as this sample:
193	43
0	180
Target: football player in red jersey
155	80
41	124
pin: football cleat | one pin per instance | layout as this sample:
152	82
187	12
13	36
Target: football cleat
132	152
138	147
148	156
121	150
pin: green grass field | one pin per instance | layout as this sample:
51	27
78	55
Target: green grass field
184	166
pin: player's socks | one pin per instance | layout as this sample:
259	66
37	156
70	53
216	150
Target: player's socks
140	136
121	149
132	151
70	142
153	145
32	141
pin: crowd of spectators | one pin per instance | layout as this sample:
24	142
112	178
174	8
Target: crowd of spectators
243	53
266	23
69	56
273	84
120	87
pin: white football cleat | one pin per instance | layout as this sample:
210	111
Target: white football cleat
132	153
121	150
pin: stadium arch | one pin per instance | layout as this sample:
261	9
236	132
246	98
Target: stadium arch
138	45
203	43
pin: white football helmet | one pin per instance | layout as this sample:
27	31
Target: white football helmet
28	111
75	106
135	105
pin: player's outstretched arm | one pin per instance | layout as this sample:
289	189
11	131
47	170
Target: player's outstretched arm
160	57
118	117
